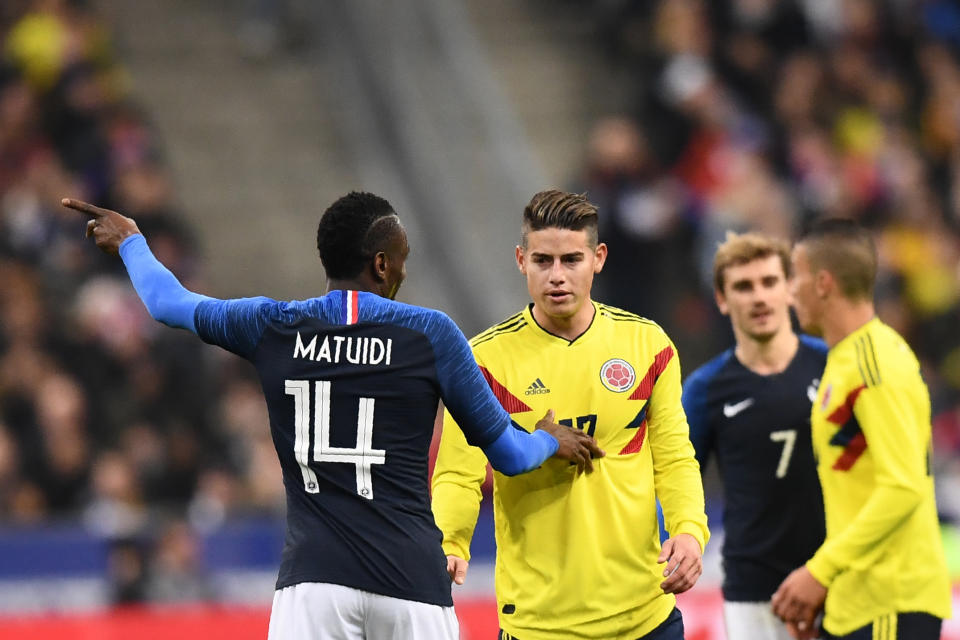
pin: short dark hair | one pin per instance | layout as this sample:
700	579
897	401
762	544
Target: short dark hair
352	230
846	250
561	210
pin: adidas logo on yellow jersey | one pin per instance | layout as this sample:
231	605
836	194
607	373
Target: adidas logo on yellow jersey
536	388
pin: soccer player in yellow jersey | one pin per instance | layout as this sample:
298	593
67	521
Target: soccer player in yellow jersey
880	573
578	554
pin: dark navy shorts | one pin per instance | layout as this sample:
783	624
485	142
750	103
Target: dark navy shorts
901	626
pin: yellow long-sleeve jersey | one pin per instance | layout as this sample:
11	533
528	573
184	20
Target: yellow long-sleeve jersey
577	554
871	436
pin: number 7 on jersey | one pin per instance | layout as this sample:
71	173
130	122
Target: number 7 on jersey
788	437
362	455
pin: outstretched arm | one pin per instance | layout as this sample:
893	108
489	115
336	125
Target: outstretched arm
165	298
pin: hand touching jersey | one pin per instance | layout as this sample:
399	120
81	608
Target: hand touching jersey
574	444
684	560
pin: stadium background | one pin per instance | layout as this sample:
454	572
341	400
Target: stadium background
139	494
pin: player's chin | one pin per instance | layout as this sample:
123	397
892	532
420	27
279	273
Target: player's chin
559	306
763	334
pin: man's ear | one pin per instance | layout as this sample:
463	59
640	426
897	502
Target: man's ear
824	283
600	253
721	301
521	260
380	264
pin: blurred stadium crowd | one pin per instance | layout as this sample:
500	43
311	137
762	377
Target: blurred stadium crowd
748	114
765	114
104	414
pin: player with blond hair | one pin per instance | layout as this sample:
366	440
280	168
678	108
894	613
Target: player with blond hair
749	408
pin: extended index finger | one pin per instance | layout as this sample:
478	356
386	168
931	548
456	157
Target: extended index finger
85	207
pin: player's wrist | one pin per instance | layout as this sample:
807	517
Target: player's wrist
821	569
693	530
132	245
549	440
455	550
130	239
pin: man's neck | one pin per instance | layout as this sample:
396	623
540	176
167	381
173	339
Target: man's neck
770	356
843	317
567	328
353	284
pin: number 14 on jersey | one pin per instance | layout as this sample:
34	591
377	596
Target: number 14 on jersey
362	455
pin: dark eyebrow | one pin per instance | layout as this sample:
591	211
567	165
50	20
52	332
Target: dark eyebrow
572	254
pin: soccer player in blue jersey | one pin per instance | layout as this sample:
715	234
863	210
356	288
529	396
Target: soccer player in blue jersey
750	408
352	382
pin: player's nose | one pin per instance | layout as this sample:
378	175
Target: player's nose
556	272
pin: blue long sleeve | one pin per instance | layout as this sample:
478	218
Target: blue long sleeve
515	451
467	396
165	298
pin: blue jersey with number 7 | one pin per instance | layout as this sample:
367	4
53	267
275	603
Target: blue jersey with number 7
758	429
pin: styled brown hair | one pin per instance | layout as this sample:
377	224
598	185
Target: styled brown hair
847	251
741	248
561	210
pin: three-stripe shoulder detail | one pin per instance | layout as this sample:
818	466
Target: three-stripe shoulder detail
867	361
624	316
511	325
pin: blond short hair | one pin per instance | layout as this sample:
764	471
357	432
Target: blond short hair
741	248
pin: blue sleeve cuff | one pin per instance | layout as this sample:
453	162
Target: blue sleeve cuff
135	238
515	451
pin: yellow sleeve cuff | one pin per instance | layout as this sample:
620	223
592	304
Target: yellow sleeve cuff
700	533
822	569
454	548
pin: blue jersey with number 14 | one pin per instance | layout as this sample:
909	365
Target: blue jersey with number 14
352	382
